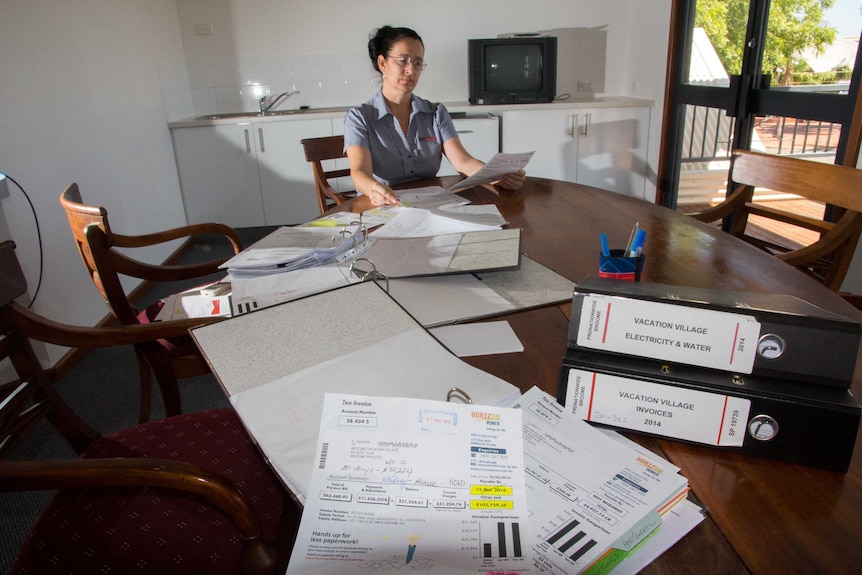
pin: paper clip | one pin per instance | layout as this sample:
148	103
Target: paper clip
458	393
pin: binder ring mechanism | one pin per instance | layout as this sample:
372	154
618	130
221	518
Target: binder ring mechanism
459	394
360	235
371	274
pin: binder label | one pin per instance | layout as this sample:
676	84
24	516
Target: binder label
668	332
699	416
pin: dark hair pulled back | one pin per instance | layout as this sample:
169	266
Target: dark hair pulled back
380	41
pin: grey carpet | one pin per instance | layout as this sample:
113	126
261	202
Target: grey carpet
109	378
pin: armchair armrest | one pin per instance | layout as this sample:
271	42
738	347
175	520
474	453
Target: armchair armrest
729	206
39	328
212	488
160	237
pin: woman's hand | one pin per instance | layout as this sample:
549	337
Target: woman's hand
512	181
382	195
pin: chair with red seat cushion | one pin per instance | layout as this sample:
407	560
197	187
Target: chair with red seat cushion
184	494
105	256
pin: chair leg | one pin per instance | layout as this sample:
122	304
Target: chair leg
165	377
145	376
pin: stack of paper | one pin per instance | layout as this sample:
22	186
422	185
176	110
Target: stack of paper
288	249
588	493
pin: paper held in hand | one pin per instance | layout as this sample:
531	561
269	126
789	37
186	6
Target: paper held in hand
497	167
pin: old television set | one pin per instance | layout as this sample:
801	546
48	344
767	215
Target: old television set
516	70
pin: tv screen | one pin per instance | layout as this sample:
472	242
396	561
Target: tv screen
513	70
513	67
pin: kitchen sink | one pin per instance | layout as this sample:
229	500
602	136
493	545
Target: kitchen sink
229	115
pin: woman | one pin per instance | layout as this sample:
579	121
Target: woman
396	136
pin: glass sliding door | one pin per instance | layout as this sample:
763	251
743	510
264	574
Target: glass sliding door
777	76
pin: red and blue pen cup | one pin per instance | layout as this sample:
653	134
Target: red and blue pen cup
624	264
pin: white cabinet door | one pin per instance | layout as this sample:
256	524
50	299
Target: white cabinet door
612	149
480	137
286	179
217	167
548	133
601	147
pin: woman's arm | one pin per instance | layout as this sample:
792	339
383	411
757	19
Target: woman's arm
363	178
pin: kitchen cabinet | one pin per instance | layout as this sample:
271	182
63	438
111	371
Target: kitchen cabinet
480	135
286	178
219	181
601	147
248	174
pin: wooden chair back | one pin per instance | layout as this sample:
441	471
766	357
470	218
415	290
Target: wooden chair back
24	402
105	257
318	151
828	258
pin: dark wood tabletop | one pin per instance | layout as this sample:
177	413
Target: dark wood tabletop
763	516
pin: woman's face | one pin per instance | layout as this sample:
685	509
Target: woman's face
398	67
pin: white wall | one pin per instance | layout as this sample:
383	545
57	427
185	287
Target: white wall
88	87
320	47
81	102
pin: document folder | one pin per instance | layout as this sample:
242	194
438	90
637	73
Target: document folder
785	420
793	339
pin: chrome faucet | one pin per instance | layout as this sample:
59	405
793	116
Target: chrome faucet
264	107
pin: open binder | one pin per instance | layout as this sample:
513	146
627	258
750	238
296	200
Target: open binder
276	365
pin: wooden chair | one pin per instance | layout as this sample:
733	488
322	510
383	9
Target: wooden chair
100	249
161	497
828	258
317	151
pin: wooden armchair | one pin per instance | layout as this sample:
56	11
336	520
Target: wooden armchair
100	249
828	258
161	497
317	151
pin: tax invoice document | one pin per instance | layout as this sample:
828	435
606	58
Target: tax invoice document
588	493
414	485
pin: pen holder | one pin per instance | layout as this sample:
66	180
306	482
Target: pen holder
621	267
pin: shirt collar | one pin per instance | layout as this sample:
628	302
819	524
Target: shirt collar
416	104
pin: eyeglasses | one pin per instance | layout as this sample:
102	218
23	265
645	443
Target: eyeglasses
402	61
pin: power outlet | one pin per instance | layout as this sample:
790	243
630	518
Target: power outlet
585	86
203	29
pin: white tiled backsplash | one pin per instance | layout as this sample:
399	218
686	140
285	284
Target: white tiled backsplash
200	87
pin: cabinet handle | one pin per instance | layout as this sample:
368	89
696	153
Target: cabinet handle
260	135
588	117
247	142
573	133
465	131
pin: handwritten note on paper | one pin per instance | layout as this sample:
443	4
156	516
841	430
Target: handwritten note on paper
417	485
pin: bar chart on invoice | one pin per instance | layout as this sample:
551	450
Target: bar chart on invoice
569	538
500	539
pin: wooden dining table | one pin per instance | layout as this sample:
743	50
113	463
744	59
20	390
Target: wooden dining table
762	516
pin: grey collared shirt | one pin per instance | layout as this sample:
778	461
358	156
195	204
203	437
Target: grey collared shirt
397	158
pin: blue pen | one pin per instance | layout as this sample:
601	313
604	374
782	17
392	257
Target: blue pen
637	244
605	250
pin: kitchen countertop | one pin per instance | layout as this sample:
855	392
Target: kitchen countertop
453	107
